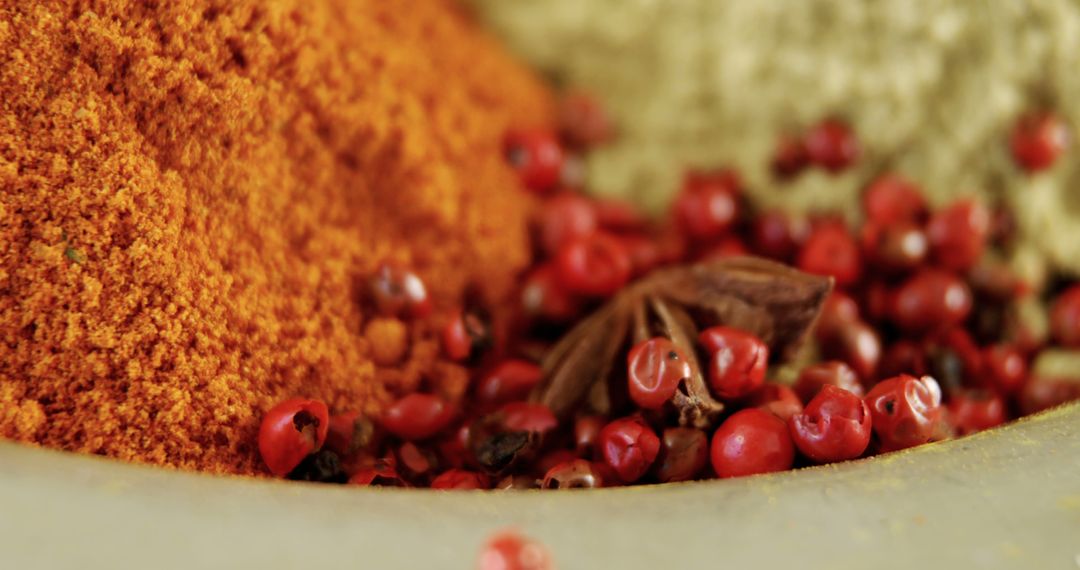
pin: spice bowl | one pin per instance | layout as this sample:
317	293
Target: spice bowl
1005	498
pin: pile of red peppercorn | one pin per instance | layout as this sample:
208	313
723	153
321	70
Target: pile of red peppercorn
916	343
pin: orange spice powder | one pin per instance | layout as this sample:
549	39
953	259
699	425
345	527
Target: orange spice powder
192	195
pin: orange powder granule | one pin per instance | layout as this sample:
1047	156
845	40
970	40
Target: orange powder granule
194	193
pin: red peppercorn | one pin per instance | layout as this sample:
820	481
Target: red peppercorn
509	550
975	410
1065	317
572	474
523	416
1040	394
654	369
629	447
644	253
905	411
832	145
453	449
1038	140
543	297
1003	368
932	298
836	426
790	157
779	235
349	432
708	204
587	434
737	361
382	474
398	292
508	381
464	336
814	378
857	344
832	251
553	458
417	416
597	265
730	246
891	199
619	216
291	431
537	156
416	463
564	218
583	121
683	454
958	234
460	479
839	310
752	441
877	301
900	246
776	398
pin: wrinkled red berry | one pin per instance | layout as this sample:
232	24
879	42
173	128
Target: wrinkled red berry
543	297
291	431
596	265
537	156
654	369
1004	368
708	204
737	361
958	234
900	246
1065	318
832	145
572	474
858	345
790	157
751	441
523	416
832	251
417	416
683	454
905	411
975	410
932	298
779	235
508	381
776	398
1038	140
509	550
563	219
399	292
629	447
833	373
460	479
835	426
891	199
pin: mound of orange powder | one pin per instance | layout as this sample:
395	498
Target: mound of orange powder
194	193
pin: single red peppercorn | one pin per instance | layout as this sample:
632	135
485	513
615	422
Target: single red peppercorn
892	199
858	345
835	426
654	369
509	550
291	431
708	204
905	411
572	474
563	219
815	377
975	410
779	235
417	416
544	298
1038	140
460	479
508	381
587	434
597	265
524	416
453	449
958	234
583	121
832	145
537	156
464	336
752	441
683	454
629	447
790	157
839	310
1065	317
832	251
931	298
737	361
398	292
1004	368
382	474
776	398
896	247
